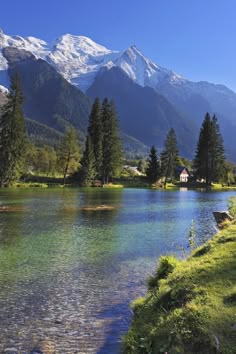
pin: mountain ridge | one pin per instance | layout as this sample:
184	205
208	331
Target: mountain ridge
81	61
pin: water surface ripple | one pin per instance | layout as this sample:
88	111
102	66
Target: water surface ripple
68	275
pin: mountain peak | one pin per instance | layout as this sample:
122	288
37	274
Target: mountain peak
82	44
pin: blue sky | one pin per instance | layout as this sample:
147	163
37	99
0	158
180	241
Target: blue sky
195	38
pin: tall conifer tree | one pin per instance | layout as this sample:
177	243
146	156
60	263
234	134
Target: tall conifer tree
153	168
12	135
209	158
169	156
95	130
88	163
217	150
112	148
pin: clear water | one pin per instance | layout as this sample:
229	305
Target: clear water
68	275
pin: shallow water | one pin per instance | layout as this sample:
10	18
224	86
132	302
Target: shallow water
68	275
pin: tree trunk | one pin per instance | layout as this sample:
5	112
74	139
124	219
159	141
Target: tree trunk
66	169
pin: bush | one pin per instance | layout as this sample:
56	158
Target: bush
166	266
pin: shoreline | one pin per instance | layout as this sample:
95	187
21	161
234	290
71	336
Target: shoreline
190	304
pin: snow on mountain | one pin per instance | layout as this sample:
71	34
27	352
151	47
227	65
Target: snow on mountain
142	70
3	89
78	59
34	45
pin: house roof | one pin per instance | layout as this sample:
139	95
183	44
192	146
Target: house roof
181	169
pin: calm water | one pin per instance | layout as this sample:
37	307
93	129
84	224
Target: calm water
67	275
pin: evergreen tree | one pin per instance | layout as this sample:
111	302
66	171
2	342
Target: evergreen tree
12	135
95	130
68	153
209	158
112	148
202	159
217	151
169	156
153	168
88	163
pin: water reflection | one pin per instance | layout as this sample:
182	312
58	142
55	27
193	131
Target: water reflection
67	274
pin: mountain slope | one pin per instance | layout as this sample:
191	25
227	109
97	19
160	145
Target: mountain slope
49	98
143	113
52	103
79	60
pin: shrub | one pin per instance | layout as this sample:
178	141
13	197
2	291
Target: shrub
166	266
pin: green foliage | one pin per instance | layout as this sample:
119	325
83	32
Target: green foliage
103	154
192	236
191	308
153	169
232	206
209	160
68	153
166	266
95	132
88	172
226	175
169	156
185	162
112	148
142	165
41	134
12	135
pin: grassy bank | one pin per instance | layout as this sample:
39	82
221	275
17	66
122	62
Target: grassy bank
190	306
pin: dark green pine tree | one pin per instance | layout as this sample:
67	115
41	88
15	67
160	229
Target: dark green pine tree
112	147
209	158
12	135
95	130
153	169
217	151
169	156
202	161
88	163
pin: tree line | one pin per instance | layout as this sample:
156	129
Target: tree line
209	165
102	156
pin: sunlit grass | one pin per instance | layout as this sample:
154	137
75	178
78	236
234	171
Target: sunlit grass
192	308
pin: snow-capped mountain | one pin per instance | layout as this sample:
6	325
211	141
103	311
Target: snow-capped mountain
79	59
142	70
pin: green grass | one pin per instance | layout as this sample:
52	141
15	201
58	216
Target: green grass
232	206
113	185
219	186
190	306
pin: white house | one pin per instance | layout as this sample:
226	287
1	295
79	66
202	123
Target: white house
184	174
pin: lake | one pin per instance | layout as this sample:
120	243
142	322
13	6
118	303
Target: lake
68	273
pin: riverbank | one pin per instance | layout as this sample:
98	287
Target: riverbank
136	182
190	304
